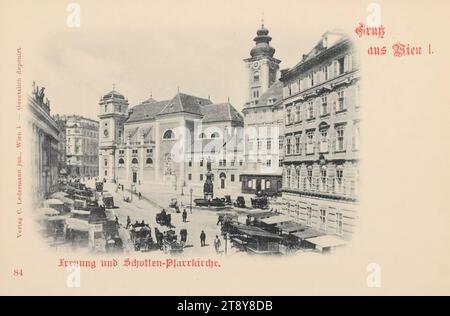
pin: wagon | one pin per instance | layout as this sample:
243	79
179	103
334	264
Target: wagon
170	244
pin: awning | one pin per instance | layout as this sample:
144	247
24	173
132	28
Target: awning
291	227
80	212
256	232
307	233
77	224
276	219
327	241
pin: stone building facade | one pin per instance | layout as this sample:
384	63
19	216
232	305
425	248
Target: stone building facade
322	137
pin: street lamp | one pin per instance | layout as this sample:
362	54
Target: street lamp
190	191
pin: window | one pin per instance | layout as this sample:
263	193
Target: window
121	152
323	219
149	150
241	162
341	69
339	178
256	76
249	183
121	162
288	177
202	135
310	142
324	141
149	161
324	107
288	115
190	162
106	163
341	101
297	113
134	161
323	179
267	184
120	108
215	135
232	178
233	162
190	176
134	151
269	162
297	144
259	145
339	223
310	110
201	177
356	139
340	138
169	134
288	146
280	163
309	178
269	145
309	215
106	110
201	163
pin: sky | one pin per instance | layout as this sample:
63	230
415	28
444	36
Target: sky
158	47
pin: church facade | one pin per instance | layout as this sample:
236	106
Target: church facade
170	142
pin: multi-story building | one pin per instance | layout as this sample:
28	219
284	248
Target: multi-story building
322	136
44	146
169	143
61	121
81	138
263	119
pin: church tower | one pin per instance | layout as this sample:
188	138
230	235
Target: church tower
113	113
262	66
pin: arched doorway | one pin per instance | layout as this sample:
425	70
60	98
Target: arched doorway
222	177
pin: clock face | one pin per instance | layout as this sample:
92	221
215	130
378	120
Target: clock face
255	65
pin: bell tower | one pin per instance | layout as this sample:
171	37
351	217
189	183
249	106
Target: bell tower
113	109
262	67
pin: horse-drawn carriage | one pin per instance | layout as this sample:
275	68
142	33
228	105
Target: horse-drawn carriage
260	201
141	236
164	219
170	244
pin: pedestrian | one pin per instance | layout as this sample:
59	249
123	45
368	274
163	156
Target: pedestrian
140	195
217	244
128	221
184	215
202	239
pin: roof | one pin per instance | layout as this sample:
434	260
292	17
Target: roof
113	93
276	219
184	103
307	233
146	110
255	231
220	112
327	241
291	227
181	102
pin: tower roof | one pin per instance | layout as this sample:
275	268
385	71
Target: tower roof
262	47
113	94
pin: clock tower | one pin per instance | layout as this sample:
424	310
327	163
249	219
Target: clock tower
262	66
113	114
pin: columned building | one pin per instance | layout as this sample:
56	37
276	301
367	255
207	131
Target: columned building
263	118
44	146
322	137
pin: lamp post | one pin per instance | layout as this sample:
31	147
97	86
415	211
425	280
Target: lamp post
190	205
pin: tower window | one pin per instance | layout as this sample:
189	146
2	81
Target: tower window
149	161
256	76
134	161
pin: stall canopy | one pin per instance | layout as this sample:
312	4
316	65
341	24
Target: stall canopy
327	241
77	224
307	233
291	227
256	232
275	219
